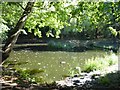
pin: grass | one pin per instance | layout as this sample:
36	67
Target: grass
23	76
99	63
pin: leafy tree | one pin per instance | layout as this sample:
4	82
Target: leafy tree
16	31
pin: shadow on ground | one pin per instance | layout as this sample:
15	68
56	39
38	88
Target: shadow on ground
110	81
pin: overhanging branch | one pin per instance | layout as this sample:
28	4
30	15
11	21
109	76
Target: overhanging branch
21	6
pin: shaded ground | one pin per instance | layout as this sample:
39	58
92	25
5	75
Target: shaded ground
109	80
94	85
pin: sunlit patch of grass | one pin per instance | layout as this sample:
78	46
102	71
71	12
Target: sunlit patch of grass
112	59
99	63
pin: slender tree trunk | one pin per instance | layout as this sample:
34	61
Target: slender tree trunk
16	31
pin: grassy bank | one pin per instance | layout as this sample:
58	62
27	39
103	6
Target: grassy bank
96	63
99	63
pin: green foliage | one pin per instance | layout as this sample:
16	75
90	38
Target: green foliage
100	62
112	59
92	18
92	64
113	31
24	76
75	71
11	12
28	75
3	29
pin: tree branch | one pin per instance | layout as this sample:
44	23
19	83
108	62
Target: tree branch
16	31
21	6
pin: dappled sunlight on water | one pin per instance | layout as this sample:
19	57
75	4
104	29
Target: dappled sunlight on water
55	64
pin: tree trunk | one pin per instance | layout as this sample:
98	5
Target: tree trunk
16	31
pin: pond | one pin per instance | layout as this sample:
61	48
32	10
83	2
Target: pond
55	64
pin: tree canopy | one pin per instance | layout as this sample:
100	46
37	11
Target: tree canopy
75	16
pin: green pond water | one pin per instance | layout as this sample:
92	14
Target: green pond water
55	64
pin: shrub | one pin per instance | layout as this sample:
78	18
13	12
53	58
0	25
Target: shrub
92	64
